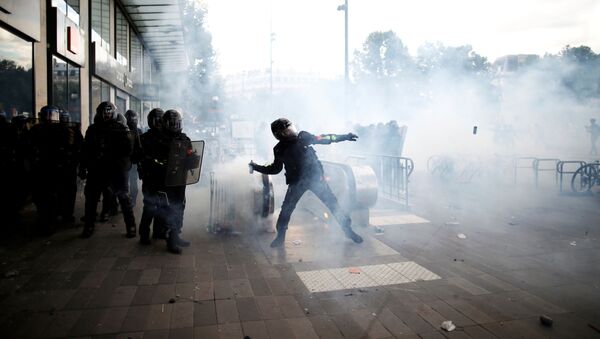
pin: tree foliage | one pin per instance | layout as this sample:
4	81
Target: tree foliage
383	56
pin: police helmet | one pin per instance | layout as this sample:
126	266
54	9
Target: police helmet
65	117
283	129
106	111
155	118
172	121
49	114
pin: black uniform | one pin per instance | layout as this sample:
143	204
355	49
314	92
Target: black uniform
55	150
106	157
9	169
153	171
303	171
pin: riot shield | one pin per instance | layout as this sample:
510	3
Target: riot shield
184	163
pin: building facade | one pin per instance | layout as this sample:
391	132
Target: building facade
75	54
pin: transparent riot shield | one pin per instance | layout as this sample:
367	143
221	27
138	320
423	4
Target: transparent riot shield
184	163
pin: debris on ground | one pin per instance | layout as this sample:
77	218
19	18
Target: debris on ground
573	243
348	294
452	223
362	290
306	311
354	270
448	326
461	236
374	314
379	230
11	274
300	260
297	242
172	301
546	320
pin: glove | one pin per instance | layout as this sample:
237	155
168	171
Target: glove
82	174
351	137
251	166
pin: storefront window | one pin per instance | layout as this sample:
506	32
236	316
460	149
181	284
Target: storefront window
147	78
100	92
136	58
16	75
65	88
101	23
122	38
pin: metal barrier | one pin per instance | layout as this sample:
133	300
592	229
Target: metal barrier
393	173
229	201
560	169
538	166
516	165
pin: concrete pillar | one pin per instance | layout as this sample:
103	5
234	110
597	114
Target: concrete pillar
40	62
84	75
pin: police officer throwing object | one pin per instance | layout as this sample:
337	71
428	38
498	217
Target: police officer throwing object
303	171
105	163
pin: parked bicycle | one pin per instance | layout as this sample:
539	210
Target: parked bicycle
586	177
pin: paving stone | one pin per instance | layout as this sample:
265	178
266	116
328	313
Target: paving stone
302	328
183	315
393	324
81	298
348	326
325	327
267	307
478	332
255	329
227	311
205	313
260	287
222	289
230	331
136	318
278	328
168	276
289	306
204	290
185	275
94	279
206	332
159	316
157	334
181	333
450	313
111	321
368	321
87	322
247	309
150	276
468	286
241	288
131	277
185	291
143	295
163	293
61	323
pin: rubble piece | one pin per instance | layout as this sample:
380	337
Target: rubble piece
348	294
461	236
448	326
379	230
374	314
11	274
354	270
546	320
297	242
362	290
306	311
172	301
573	243
300	260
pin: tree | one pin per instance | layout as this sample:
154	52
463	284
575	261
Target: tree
383	56
435	56
583	66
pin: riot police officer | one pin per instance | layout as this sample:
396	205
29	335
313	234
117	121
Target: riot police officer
303	171
136	132
105	162
9	168
53	158
68	178
169	200
151	172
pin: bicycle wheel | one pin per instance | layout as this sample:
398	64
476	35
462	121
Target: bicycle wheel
584	178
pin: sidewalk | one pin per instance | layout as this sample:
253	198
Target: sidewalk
516	263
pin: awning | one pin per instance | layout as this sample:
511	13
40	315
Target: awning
160	26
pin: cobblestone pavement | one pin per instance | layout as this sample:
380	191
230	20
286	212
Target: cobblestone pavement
525	254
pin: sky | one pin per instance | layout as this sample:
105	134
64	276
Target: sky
309	34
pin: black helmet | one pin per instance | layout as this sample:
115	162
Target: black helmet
155	118
282	129
49	114
132	119
65	117
106	111
172	121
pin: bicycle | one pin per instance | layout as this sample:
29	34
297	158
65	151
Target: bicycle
586	177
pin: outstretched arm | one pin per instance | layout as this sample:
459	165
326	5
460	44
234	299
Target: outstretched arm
273	168
326	139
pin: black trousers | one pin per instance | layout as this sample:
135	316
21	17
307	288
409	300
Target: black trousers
164	205
96	184
322	190
133	183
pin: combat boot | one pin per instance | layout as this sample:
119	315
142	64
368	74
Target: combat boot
130	232
87	232
279	240
173	243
